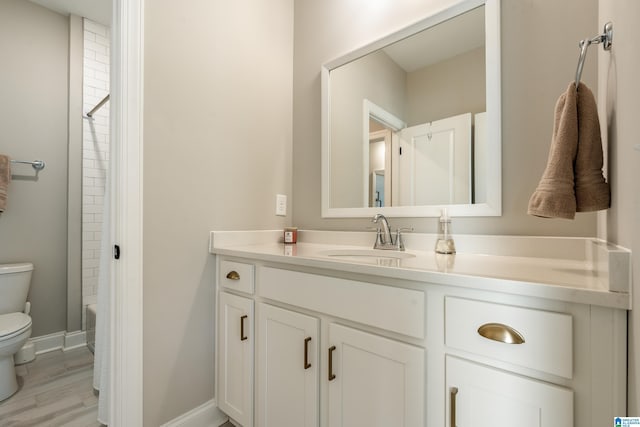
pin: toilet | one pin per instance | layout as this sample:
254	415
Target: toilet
15	322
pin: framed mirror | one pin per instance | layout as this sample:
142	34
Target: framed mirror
412	122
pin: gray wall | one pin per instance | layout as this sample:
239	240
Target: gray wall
74	176
618	95
33	125
534	74
217	149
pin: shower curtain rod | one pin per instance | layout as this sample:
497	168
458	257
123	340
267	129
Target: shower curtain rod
97	107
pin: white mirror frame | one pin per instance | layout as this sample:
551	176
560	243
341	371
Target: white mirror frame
493	205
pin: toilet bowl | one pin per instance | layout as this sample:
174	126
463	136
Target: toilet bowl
15	324
15	329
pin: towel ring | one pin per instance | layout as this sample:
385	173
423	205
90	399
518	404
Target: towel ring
606	38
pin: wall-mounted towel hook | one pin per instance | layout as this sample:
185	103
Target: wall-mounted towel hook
606	38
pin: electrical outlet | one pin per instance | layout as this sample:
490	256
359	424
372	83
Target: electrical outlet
281	205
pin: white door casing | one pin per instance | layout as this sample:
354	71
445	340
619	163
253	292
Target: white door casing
126	378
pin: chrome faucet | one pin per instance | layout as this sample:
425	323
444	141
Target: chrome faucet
384	239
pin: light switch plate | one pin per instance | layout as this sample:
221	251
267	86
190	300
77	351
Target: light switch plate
281	205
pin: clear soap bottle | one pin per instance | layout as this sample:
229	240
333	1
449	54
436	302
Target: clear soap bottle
445	243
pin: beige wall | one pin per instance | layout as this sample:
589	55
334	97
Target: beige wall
217	149
534	73
618	95
33	125
446	89
380	80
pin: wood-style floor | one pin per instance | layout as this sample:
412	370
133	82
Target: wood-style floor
56	389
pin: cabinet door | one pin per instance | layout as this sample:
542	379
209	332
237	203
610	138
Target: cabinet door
479	396
287	368
374	381
235	357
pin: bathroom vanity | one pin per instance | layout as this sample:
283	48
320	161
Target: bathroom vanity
510	331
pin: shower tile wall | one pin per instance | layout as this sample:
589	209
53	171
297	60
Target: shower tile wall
95	154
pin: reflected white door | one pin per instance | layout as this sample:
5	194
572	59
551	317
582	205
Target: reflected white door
480	158
435	163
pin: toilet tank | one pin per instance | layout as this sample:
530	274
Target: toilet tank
15	280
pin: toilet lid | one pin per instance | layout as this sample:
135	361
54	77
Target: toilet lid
13	322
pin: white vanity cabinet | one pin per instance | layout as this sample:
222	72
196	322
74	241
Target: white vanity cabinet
507	364
235	340
317	361
340	348
235	357
373	381
288	368
366	379
480	396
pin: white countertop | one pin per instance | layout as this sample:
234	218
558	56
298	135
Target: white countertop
578	270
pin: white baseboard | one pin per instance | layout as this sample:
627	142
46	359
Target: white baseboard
47	343
59	341
73	340
205	415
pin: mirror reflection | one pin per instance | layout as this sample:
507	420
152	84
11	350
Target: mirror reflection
407	121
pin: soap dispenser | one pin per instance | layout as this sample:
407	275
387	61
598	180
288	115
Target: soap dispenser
445	243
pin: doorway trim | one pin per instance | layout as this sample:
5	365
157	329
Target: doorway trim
126	321
388	120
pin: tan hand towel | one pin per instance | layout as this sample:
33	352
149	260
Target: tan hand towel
592	190
5	179
554	197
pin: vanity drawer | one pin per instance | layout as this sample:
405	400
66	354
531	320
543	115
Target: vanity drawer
486	328
237	276
387	307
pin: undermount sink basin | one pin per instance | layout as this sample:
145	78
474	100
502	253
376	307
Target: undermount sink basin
373	253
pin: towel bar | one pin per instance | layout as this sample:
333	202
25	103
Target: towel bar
606	38
36	164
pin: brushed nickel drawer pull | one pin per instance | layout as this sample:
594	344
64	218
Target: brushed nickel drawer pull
307	365
242	335
331	374
501	333
453	392
233	275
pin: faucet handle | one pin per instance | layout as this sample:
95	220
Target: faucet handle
399	243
